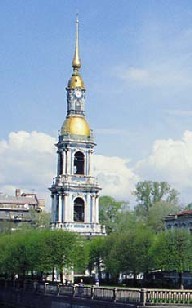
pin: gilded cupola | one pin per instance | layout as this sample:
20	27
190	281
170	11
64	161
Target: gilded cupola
76	125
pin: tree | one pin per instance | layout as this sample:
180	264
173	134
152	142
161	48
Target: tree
189	206
172	251
111	253
148	193
128	251
40	251
40	219
96	248
137	243
109	210
157	213
61	246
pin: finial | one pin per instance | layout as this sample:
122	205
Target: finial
76	64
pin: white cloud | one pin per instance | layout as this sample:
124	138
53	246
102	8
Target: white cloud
159	76
28	161
170	160
136	74
115	177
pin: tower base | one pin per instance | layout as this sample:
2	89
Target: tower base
87	229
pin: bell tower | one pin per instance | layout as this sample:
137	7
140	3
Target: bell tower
75	192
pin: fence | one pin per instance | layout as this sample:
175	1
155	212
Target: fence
137	297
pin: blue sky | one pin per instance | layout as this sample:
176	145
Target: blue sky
136	64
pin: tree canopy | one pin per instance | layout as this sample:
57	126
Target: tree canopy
148	193
40	251
172	251
109	210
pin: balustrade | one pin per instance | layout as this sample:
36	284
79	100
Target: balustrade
140	297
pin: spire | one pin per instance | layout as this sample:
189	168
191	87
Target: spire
76	63
76	80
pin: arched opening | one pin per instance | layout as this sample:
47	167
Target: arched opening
79	162
79	210
60	163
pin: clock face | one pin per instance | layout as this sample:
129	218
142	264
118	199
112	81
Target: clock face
78	93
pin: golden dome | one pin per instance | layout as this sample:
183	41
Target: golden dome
76	82
75	125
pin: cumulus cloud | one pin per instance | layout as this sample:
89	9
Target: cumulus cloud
29	160
115	176
171	161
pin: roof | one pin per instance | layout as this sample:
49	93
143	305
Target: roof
185	213
21	200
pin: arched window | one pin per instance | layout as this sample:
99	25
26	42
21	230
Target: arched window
79	162
79	210
60	163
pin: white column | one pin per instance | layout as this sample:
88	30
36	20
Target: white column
60	209
55	207
86	208
64	207
70	207
71	162
91	209
67	209
87	163
90	163
52	208
66	160
97	209
68	155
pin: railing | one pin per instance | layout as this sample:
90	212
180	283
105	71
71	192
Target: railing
168	296
139	297
65	180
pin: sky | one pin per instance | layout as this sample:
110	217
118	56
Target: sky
137	67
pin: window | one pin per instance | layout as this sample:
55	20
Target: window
79	162
60	163
79	210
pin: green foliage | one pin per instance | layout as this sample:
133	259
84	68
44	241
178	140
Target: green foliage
96	246
81	255
129	250
136	240
157	213
126	221
189	206
109	210
40	251
111	254
41	219
172	251
148	193
6	226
